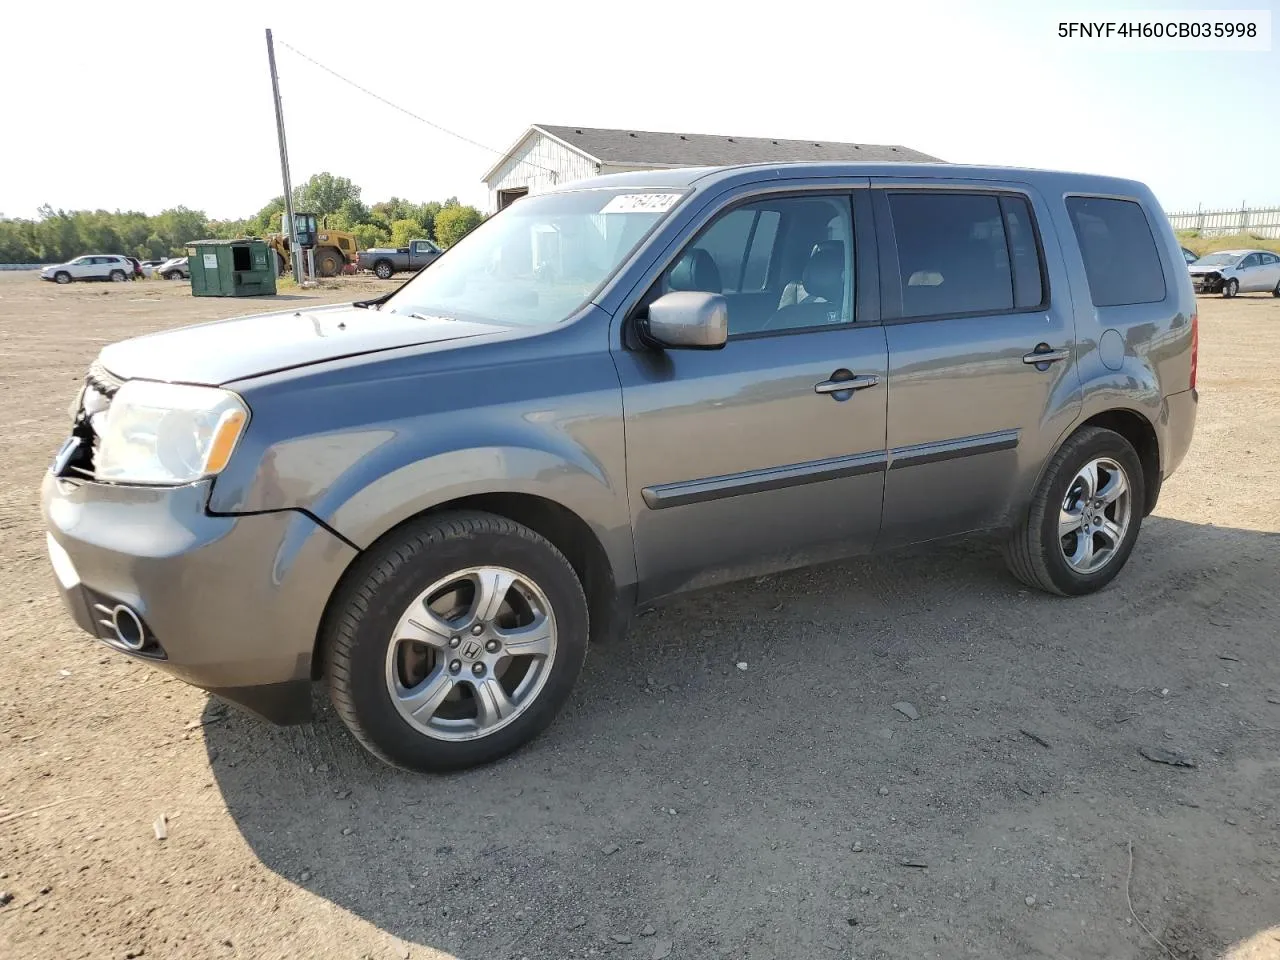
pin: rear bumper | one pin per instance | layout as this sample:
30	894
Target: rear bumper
230	604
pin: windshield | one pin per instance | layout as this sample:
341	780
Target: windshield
1218	260
537	261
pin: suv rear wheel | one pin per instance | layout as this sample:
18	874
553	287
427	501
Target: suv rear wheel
455	642
1084	517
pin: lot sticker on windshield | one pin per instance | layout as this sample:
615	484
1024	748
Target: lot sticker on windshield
641	203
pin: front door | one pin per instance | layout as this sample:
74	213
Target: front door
968	311
756	457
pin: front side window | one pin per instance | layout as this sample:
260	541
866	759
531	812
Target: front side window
538	261
1120	255
782	263
953	253
1252	260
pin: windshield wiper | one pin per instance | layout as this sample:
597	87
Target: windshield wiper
371	304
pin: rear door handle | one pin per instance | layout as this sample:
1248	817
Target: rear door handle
1043	354
849	383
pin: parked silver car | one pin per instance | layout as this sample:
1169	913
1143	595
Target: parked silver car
614	392
175	268
1230	272
96	266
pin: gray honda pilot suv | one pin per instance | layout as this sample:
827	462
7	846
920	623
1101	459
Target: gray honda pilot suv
616	391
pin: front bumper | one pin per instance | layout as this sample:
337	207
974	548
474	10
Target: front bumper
230	604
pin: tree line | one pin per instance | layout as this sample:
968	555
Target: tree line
59	235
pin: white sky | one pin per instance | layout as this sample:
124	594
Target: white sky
128	106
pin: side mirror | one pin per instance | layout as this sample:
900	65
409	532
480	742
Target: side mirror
688	320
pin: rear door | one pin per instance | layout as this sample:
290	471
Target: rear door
981	351
755	457
1270	271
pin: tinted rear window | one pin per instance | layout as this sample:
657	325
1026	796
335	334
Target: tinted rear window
952	253
1119	251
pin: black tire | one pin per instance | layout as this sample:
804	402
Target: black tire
328	262
1230	288
1034	552
171	275
1276	291
62	277
117	276
364	612
383	270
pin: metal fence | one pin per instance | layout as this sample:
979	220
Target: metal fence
1262	221
21	266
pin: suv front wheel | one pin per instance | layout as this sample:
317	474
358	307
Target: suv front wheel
1084	516
455	642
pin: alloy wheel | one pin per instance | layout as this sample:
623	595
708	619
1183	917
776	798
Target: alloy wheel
471	653
1095	515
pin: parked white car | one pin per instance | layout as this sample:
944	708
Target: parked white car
150	267
1229	272
90	267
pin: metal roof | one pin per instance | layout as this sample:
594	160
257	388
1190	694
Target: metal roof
647	148
640	147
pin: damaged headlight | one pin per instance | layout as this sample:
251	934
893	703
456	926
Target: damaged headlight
167	433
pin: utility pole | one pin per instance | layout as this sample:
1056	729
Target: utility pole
290	227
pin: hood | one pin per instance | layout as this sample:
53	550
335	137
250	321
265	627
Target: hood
1209	268
217	353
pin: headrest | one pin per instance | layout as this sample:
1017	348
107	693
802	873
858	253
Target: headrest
824	273
697	270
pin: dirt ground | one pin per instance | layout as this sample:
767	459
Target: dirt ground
680	806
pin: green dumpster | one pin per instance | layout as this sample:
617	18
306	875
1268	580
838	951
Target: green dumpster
231	268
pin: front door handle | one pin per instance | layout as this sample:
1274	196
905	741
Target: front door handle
846	384
1044	354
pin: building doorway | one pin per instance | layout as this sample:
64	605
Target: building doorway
507	197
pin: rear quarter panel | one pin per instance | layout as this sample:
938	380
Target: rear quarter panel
1129	357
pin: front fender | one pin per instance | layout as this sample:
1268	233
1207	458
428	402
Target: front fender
379	496
363	446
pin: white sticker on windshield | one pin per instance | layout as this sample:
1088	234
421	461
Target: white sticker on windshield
641	203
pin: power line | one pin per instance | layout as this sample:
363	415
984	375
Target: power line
506	155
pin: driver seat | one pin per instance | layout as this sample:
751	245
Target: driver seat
823	285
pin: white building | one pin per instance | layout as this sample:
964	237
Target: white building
549	155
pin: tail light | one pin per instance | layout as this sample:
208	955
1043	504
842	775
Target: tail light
1195	345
